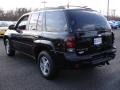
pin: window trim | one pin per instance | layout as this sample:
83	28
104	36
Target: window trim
21	18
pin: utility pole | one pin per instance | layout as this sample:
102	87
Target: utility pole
108	5
114	13
68	4
44	2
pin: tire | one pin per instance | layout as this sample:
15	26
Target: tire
8	48
47	65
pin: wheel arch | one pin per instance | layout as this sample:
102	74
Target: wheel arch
4	38
42	46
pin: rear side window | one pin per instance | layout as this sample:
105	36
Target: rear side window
55	21
86	20
33	21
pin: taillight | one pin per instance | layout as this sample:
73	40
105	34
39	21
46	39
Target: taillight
70	44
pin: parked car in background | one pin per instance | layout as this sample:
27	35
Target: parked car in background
118	24
3	27
113	24
11	22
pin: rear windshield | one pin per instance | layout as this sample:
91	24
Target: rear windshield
86	20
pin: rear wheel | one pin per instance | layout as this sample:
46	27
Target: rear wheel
8	48
47	65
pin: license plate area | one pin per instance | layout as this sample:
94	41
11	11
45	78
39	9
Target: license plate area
97	41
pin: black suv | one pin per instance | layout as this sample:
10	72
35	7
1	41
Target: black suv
57	38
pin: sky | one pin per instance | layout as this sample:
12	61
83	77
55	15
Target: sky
99	5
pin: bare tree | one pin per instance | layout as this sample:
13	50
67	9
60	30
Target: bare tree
12	15
2	14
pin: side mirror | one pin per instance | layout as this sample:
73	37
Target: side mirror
11	27
21	28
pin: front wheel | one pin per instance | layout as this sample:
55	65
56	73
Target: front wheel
47	65
8	48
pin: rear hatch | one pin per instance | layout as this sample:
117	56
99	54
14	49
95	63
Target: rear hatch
91	30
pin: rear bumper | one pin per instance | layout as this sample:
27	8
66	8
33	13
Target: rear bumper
92	58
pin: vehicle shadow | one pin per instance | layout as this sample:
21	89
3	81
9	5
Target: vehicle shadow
84	78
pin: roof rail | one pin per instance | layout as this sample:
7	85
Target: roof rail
81	7
70	7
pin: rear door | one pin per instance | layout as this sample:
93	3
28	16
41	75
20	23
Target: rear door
34	30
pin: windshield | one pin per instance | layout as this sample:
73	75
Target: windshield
86	20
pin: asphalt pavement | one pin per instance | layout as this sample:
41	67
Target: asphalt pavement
21	73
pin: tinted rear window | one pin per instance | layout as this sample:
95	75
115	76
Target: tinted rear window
86	20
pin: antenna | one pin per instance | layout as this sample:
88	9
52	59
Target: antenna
108	6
